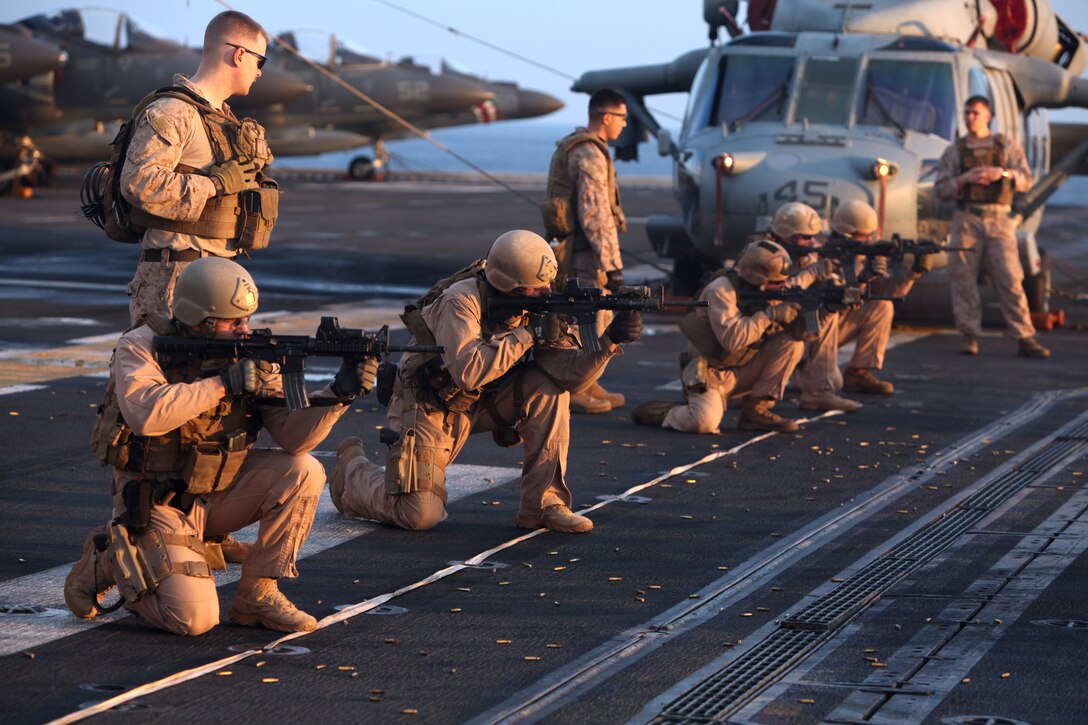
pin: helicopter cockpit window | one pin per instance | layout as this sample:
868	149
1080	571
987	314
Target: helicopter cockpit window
909	95
825	90
752	88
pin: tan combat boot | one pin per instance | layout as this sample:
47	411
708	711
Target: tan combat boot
259	601
586	403
652	412
556	518
350	448
969	346
862	380
616	400
827	400
1030	347
89	579
757	415
234	551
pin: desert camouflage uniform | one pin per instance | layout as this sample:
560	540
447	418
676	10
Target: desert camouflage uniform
278	488
168	133
870	325
764	376
533	398
993	237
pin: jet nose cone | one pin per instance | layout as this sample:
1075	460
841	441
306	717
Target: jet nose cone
535	103
276	86
450	94
28	57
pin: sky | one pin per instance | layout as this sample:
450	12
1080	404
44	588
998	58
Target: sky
570	36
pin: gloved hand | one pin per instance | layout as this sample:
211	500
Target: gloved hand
241	378
355	377
230	177
782	313
547	329
626	327
878	266
922	263
825	268
615	280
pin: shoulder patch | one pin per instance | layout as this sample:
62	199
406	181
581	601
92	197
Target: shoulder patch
166	115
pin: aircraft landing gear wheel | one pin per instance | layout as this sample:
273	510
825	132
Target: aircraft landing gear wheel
686	274
362	168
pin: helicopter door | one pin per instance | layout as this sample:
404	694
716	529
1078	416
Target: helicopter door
1007	118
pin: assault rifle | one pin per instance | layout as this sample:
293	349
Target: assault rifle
830	297
845	251
580	305
289	351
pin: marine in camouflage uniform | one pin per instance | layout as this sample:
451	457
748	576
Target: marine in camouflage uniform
582	183
980	171
172	172
497	376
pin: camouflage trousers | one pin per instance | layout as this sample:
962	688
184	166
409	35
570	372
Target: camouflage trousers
274	488
869	325
151	291
764	376
584	267
994	240
531	402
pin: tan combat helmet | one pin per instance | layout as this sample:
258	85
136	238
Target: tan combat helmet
796	219
763	261
213	287
520	259
854	217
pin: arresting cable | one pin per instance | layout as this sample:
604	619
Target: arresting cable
374	602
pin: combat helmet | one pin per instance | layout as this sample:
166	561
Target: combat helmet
796	219
763	261
854	217
520	258
213	287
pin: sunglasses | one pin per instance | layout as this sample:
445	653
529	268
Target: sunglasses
261	60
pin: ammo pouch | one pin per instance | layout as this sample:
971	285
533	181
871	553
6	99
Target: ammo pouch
211	466
111	436
409	469
258	209
695	376
558	217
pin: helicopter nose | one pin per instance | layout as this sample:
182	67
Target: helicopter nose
276	86
536	103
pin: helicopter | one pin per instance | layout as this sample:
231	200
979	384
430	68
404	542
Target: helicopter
826	101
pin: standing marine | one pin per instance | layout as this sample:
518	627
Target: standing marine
180	436
980	171
582	211
193	172
511	377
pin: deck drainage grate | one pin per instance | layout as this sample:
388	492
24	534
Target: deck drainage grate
481	565
281	650
626	499
724	691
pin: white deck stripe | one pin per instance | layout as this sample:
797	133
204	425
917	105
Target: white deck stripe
46	588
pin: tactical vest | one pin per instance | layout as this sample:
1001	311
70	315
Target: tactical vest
247	217
698	330
560	208
425	373
995	154
200	456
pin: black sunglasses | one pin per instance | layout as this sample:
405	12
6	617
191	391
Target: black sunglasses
261	60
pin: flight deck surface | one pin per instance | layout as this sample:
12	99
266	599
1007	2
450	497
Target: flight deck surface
921	559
